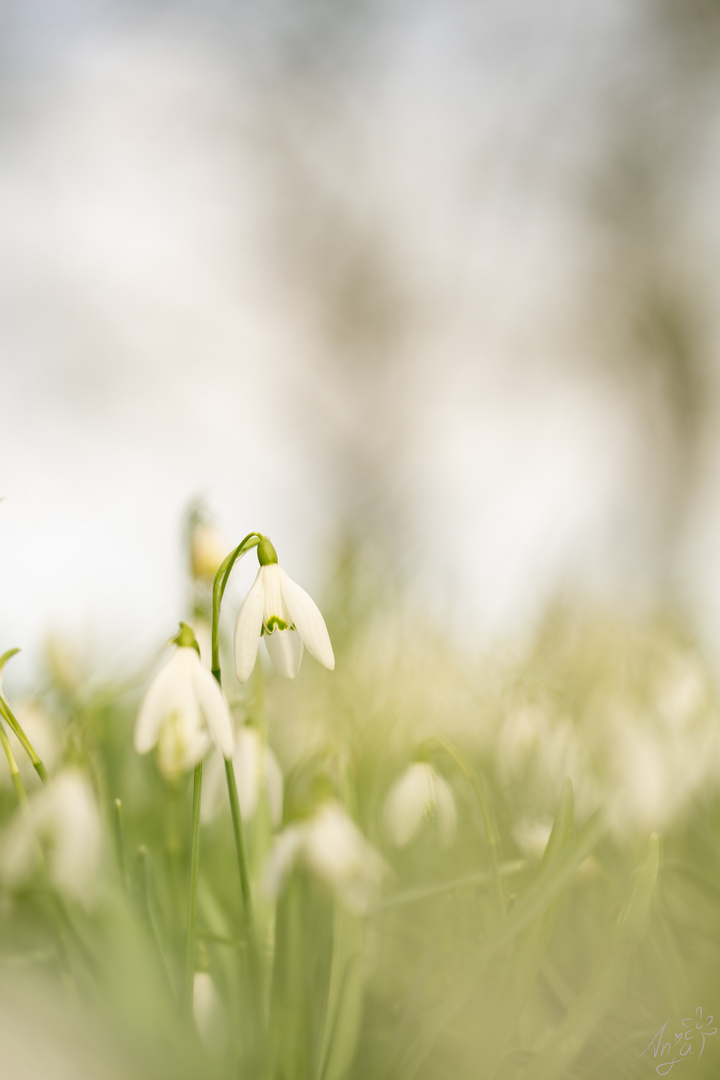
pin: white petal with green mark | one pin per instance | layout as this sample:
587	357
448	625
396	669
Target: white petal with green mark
308	621
285	648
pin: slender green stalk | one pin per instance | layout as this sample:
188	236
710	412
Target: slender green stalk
143	896
240	848
192	901
119	833
219	585
11	720
14	771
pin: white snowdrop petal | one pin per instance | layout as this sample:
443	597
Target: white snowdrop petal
274	604
209	1013
153	707
406	804
308	621
342	858
64	818
281	859
248	625
182	744
214	707
285	648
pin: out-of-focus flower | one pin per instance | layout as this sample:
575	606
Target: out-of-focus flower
329	845
207	551
532	836
62	818
209	1013
256	768
183	712
419	794
64	661
283	613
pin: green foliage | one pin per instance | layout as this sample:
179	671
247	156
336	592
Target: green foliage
496	957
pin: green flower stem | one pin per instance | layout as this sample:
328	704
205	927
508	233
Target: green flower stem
240	849
14	771
219	586
192	902
12	723
119	833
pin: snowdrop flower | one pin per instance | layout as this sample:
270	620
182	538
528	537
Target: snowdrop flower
210	1015
256	768
183	712
331	847
207	550
283	613
63	818
416	796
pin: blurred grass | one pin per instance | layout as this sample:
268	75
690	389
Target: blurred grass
594	946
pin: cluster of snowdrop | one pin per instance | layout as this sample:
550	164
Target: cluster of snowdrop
58	836
184	712
640	736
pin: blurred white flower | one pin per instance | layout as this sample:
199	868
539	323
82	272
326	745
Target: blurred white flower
329	845
532	835
418	795
63	819
210	1015
207	550
256	768
283	613
182	712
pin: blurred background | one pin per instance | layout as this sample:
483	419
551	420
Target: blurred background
425	289
427	293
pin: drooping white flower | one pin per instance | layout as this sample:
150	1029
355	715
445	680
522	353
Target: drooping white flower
63	819
210	1015
329	845
418	795
283	613
207	550
183	711
256	768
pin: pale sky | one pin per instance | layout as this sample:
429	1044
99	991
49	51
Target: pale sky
158	342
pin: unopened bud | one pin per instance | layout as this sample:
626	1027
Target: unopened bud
266	553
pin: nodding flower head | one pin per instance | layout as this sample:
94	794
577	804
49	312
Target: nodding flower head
331	847
285	616
183	712
418	795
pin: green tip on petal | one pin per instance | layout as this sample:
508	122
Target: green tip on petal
185	638
266	553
